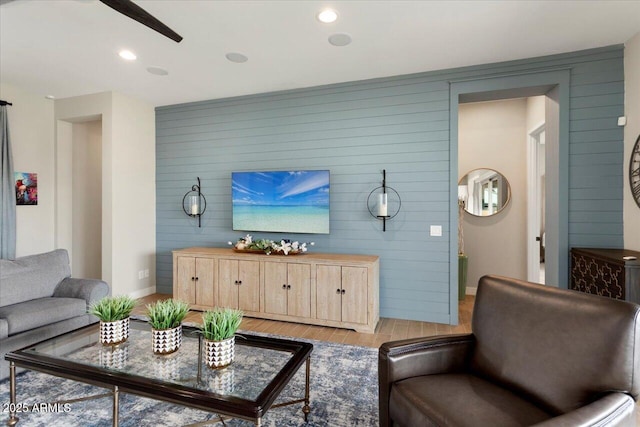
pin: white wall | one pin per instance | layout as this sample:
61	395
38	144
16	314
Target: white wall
631	132
493	135
133	180
31	132
535	112
128	185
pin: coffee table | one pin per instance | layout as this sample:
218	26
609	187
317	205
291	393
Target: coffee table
246	389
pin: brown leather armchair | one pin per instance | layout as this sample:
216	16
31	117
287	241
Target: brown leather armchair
538	355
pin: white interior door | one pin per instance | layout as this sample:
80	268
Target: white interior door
536	238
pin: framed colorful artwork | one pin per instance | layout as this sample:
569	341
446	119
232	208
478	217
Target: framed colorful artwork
26	188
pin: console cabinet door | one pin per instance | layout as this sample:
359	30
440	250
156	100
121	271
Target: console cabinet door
328	291
287	289
299	289
227	283
205	282
239	284
275	287
196	281
342	293
354	294
186	286
249	285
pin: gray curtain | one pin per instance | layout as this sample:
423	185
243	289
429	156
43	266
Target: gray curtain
7	192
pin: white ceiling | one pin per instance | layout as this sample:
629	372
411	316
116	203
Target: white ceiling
70	47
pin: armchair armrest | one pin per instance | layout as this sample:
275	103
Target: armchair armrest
398	360
414	357
614	409
89	290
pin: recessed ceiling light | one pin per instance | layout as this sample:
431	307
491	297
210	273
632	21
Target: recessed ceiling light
158	71
327	16
236	57
50	97
128	55
340	39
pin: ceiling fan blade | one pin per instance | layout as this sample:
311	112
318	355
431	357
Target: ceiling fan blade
135	12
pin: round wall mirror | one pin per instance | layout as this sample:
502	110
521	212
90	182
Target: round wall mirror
483	192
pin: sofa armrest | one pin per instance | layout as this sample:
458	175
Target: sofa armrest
89	290
398	360
614	409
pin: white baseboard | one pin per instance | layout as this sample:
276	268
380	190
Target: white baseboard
471	291
143	292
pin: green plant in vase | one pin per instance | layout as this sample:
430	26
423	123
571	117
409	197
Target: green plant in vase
113	313
165	318
112	309
167	314
218	328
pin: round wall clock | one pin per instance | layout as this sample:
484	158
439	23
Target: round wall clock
634	172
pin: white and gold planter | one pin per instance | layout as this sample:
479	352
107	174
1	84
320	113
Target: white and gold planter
219	354
167	367
114	333
114	357
223	381
166	341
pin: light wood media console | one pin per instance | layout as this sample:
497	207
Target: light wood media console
334	290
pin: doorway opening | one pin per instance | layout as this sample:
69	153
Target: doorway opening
554	85
495	137
79	194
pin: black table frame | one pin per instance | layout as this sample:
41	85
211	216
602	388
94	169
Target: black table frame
119	382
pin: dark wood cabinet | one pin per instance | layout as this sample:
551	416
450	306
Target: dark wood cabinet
613	273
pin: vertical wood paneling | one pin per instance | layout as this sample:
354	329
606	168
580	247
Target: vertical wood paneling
355	130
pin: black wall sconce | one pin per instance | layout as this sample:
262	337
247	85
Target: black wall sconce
194	203
384	202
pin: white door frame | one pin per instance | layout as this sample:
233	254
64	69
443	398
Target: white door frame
533	204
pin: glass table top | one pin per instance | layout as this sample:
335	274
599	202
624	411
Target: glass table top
258	360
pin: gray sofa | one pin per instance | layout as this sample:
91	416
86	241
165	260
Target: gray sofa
39	300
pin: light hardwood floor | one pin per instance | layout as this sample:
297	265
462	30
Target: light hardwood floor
387	329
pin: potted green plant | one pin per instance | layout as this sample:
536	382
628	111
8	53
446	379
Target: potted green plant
218	329
113	313
165	317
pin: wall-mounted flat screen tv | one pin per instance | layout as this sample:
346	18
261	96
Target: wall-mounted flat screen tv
281	201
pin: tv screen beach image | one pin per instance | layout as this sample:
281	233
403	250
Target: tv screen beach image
281	201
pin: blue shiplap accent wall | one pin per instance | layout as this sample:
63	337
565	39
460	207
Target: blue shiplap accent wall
356	130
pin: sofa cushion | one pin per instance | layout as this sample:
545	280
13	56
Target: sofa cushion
459	400
31	277
39	312
4	329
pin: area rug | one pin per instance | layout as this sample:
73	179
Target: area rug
344	392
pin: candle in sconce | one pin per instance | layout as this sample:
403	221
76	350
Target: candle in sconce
195	209
382	204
